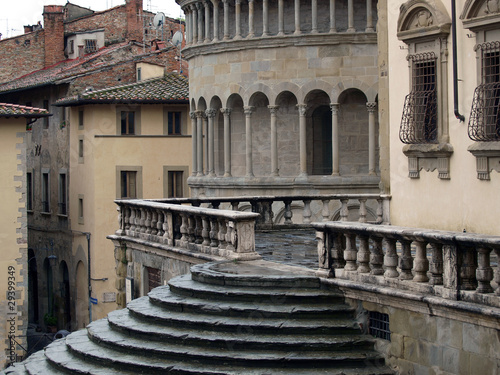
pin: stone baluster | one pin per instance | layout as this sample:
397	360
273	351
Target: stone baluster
159	223
335	138
307	211
369	17
302	139
200	22
214	232
281	18
376	257
333	20
362	210
168	229
191	229
230	236
391	259
154	222
227	141
215	6
325	211
125	213
371	106
194	143
210	113
251	29
405	261
484	272
344	210
205	231
380	210
265	17
324	256
248	138
497	273
297	18
184	229
142	221
222	233
336	241
148	222
314	11
132	221
436	266
237	11
226	19
206	4
121	221
199	140
288	212
234	206
350	16
350	253
468	269
363	257
273	109
198	230
215	204
421	264
194	12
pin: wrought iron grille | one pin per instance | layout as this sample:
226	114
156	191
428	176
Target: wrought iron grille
419	119
484	121
379	325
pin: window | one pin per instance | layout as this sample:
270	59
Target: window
128	183
71	47
139	74
419	120
484	121
127	122
80	209
90	45
29	191
175	184
63	194
174	123
80	119
45	191
80	149
153	278
379	325
46	119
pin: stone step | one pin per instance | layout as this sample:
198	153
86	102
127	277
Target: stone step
185	286
143	309
37	365
163	297
242	340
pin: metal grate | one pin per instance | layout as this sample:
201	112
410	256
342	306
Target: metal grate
419	119
379	325
484	121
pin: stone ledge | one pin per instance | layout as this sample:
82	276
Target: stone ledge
429	156
487	158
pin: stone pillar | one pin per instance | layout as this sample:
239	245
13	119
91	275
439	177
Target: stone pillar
335	139
369	17
333	21
226	19
200	22
199	142
187	29
350	16
297	17
227	141
265	17
215	4
302	141
205	143
314	10
274	141
206	3
194	136
251	30
371	106
194	12
248	136
210	113
281	18
237	12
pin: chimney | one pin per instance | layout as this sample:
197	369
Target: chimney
133	8
53	21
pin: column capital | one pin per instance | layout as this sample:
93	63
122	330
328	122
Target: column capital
210	112
273	109
248	110
192	114
302	109
200	114
226	111
371	106
334	107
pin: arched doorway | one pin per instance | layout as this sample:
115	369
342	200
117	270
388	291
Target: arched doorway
322	141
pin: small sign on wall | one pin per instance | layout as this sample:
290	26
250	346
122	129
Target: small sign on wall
109	297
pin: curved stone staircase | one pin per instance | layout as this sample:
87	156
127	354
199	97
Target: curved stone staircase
225	318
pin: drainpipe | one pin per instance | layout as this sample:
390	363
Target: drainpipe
89	277
454	48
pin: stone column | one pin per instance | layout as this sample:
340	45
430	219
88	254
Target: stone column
199	142
205	143
371	106
335	139
350	16
281	18
248	137
210	113
194	136
237	34
215	4
265	17
187	13
297	17
200	22
314	10
274	141
369	17
226	19
194	12
227	141
206	3
302	139
333	21
251	30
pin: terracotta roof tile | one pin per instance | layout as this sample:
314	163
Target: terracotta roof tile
14	110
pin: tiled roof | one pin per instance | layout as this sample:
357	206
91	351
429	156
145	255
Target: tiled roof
14	110
170	88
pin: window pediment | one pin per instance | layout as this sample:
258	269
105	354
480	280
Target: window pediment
481	14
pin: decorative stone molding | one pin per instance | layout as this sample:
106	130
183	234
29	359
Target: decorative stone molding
487	158
429	157
480	14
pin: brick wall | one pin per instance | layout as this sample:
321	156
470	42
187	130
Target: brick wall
54	34
21	55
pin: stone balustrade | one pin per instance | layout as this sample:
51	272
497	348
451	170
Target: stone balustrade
223	234
451	265
278	211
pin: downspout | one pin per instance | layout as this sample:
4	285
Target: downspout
454	49
89	277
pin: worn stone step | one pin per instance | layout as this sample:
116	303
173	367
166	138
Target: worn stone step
37	365
104	334
184	285
242	340
143	309
164	297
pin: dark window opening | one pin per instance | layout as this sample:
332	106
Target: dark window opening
322	141
154	278
174	123
45	193
46	119
128	184
128	122
379	325
63	194
175	184
90	45
29	191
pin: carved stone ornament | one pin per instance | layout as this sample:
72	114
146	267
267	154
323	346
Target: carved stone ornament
423	19
491	6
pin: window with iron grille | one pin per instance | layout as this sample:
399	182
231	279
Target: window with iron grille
419	120
63	194
90	45
379	325
484	121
